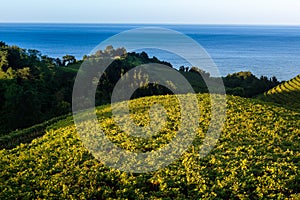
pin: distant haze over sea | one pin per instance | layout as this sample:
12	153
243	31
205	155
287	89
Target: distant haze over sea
263	50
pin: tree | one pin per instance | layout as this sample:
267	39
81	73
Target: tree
275	81
121	52
58	62
2	44
109	50
3	60
199	71
144	56
181	68
68	59
34	54
85	57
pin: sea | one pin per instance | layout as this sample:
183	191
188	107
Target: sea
263	50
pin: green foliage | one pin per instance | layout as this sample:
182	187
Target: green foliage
35	87
245	84
237	91
17	137
287	93
199	71
257	157
68	59
32	89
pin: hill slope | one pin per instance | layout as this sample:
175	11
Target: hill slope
257	156
35	88
287	93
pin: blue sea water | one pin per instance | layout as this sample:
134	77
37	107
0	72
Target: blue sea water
263	50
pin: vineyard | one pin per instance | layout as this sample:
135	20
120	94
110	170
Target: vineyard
257	157
287	93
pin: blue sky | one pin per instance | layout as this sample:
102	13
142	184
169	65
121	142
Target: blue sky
153	11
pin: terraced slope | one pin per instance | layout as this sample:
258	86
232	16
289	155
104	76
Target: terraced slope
257	156
287	93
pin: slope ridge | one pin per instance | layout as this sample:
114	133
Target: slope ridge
287	93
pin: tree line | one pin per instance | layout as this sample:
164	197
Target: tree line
35	87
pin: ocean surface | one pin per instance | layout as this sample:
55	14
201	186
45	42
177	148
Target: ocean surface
263	50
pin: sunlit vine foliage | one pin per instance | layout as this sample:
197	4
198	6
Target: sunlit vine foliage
257	156
287	93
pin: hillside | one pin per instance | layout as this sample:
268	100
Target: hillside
257	156
35	88
287	93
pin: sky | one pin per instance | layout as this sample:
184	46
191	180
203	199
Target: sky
280	12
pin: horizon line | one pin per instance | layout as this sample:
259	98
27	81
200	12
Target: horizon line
151	23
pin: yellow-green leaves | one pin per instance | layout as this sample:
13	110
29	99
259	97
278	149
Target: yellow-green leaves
257	156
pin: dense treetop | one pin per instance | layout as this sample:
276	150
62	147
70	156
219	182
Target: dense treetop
35	87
